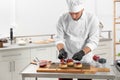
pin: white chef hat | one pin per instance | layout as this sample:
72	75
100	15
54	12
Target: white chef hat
75	5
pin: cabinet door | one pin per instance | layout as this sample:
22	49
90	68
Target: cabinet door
42	53
18	59
5	70
19	65
14	54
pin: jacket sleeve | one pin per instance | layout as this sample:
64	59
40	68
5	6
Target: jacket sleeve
60	32
93	36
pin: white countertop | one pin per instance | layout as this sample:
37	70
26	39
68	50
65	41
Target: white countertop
8	46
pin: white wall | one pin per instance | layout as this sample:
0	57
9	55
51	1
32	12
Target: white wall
90	6
38	16
4	15
104	11
7	16
29	17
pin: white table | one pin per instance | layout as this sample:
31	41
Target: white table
30	71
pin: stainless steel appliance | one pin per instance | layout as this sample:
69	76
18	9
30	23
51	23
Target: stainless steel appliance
117	64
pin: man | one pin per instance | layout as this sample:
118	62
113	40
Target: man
77	33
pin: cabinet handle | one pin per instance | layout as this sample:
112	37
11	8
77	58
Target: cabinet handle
10	66
14	66
11	55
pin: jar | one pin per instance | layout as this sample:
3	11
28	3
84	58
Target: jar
1	44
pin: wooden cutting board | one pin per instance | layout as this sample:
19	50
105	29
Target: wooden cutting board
86	68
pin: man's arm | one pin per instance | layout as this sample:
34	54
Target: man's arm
92	41
60	46
86	50
60	40
93	36
62	53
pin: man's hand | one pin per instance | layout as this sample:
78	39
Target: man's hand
62	54
78	56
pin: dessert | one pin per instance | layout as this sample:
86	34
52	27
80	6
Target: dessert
62	61
77	65
96	57
43	63
63	65
70	62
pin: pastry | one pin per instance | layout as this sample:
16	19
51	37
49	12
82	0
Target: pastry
63	65
70	62
77	65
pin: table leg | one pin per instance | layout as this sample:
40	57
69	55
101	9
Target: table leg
35	78
23	78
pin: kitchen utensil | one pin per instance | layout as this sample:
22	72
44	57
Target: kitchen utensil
37	59
102	61
11	35
117	64
96	58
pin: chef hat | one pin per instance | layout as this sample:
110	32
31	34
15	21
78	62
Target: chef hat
75	5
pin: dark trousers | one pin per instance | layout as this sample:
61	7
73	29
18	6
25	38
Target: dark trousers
72	79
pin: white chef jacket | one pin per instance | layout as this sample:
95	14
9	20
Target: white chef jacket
75	35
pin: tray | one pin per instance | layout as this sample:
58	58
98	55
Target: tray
86	68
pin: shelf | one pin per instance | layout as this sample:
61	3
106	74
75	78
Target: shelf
116	0
117	22
117	43
117	18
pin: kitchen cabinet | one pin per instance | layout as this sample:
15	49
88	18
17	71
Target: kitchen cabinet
104	50
42	53
14	58
5	70
12	62
20	64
